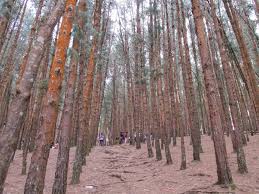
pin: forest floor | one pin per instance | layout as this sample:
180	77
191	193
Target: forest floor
124	170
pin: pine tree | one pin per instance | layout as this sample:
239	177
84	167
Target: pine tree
223	170
18	106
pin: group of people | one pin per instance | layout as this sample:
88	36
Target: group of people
102	140
123	138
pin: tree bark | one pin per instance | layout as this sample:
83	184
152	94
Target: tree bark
7	74
60	181
46	133
163	95
172	69
257	7
86	98
189	91
18	106
5	16
31	122
232	94
31	38
248	68
137	100
154	106
223	170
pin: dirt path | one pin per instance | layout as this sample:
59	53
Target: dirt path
125	170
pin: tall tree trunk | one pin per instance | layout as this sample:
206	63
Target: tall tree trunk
164	97
45	137
138	91
86	97
114	109
100	103
5	16
96	101
60	182
189	90
129	91
182	133
169	74
154	106
202	101
31	122
223	170
224	108
147	126
250	73
7	78
31	38
81	22
232	94
9	35
99	86
18	106
172	69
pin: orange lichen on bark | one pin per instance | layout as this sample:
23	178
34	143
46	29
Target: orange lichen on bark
84	115
58	64
36	177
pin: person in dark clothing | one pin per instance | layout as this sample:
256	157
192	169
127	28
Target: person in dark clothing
122	138
101	139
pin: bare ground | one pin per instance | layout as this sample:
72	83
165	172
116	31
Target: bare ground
125	170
